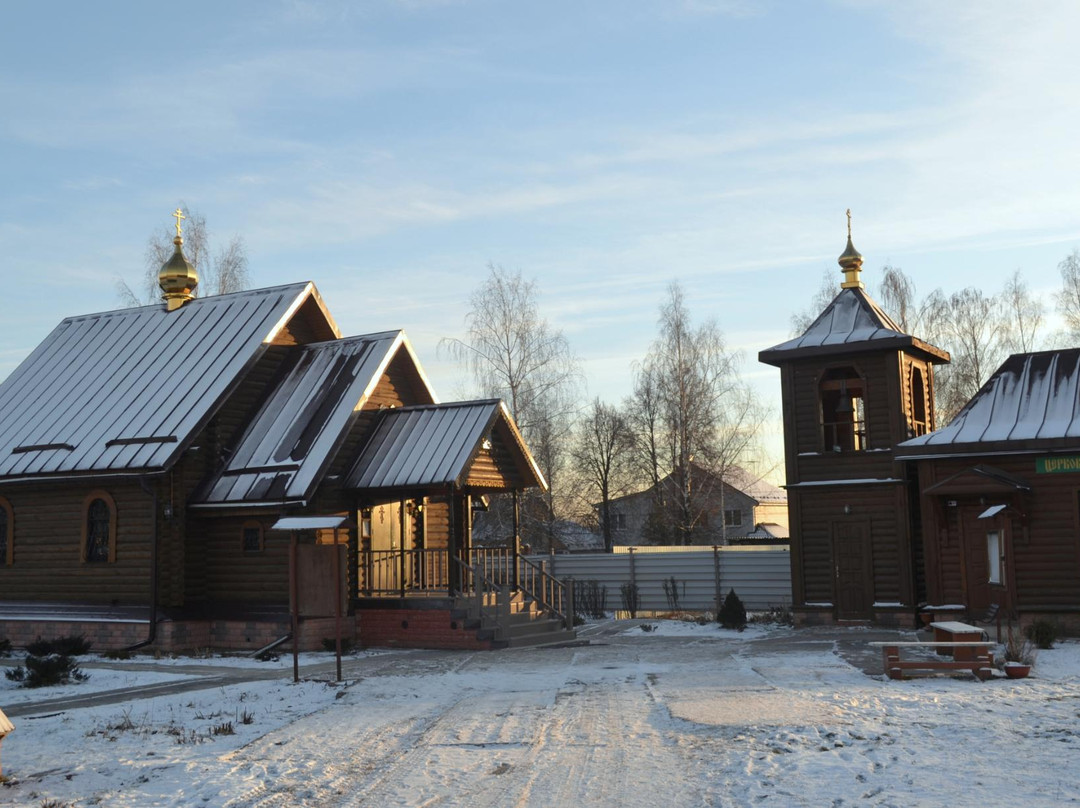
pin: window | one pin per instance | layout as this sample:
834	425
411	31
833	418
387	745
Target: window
920	423
618	521
251	535
99	528
7	532
733	518
995	555
843	416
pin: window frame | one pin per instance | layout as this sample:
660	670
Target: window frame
995	561
110	503
730	515
833	384
252	524
7	558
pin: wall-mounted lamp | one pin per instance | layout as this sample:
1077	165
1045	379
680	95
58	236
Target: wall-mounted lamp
847	510
167	510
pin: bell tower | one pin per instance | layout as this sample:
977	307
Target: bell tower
854	385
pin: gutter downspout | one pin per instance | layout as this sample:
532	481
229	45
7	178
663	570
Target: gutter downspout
152	634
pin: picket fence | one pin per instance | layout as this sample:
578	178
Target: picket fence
679	577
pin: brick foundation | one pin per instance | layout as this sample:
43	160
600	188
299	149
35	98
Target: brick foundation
181	635
416	628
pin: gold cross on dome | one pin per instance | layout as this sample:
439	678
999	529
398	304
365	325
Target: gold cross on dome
179	214
849	222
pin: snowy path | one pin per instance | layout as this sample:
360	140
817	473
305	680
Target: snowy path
686	717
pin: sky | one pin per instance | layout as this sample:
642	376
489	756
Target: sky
391	150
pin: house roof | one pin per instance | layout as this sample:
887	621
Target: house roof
1031	403
125	391
435	446
736	477
853	322
288	445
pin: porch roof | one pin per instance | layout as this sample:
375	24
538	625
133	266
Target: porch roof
286	448
467	443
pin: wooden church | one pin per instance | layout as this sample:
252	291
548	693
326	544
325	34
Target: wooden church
892	516
854	385
147	454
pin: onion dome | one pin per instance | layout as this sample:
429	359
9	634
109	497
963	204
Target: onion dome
177	277
850	262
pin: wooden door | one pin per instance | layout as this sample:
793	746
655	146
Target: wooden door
851	560
386	546
976	559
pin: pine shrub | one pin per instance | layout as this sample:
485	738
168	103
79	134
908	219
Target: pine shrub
43	671
732	612
72	645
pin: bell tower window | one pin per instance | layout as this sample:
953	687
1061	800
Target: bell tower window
920	422
843	414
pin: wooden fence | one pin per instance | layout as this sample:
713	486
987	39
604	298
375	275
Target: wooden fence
678	577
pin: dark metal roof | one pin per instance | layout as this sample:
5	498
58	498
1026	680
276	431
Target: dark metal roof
123	391
430	446
852	322
287	447
1030	403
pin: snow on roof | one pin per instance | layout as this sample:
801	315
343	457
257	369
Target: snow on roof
124	390
299	427
1031	402
853	321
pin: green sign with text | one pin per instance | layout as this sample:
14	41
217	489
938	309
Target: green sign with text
1058	465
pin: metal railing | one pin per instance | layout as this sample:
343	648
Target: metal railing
397	572
550	594
489	572
489	603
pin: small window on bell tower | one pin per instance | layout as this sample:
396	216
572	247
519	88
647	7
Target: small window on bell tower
843	415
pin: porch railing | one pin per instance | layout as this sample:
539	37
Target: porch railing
550	594
489	602
393	572
399	573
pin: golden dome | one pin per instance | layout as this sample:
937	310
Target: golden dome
850	262
177	277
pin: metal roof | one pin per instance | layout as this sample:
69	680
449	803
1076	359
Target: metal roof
122	391
852	322
1031	402
297	431
430	446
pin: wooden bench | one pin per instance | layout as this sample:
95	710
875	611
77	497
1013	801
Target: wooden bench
953	631
976	657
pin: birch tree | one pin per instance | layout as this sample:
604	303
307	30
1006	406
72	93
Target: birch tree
601	456
703	416
513	353
219	272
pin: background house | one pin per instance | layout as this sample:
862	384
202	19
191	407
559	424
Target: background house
741	507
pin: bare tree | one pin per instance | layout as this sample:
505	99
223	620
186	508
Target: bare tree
513	353
222	272
827	290
970	326
601	455
1024	316
1068	299
702	416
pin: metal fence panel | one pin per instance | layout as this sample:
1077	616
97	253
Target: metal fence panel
684	578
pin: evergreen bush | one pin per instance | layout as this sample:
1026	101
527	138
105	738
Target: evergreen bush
1043	633
43	671
732	613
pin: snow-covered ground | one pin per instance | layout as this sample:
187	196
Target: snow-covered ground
683	715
